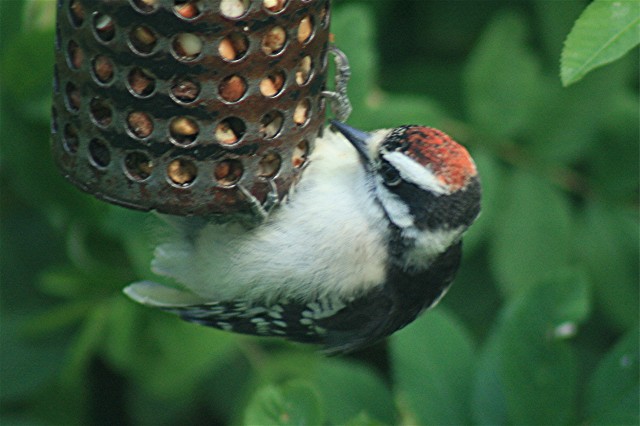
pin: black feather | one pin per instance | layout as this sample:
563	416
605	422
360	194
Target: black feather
348	325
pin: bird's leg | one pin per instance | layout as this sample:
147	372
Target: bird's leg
272	200
260	210
339	99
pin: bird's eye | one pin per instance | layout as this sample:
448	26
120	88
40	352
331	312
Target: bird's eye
390	174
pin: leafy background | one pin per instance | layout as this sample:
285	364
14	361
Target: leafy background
541	326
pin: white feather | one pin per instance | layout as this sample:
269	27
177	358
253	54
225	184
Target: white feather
429	244
328	238
415	173
160	296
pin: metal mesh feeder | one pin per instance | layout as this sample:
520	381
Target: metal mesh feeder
173	105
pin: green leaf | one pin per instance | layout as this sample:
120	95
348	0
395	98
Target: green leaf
607	244
59	317
64	282
294	403
555	19
86	345
502	78
432	365
488	404
10	22
349	389
568	122
39	15
614	171
612	391
539	369
533	239
605	31
354	31
363	419
232	383
163	354
27	66
491	176
27	363
384	110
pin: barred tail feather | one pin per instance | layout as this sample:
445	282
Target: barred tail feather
160	296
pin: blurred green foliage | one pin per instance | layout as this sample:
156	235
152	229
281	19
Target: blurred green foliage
541	326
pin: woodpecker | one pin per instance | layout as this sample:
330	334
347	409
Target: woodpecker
369	238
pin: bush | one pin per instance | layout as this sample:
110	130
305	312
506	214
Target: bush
540	327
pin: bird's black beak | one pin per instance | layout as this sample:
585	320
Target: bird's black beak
358	138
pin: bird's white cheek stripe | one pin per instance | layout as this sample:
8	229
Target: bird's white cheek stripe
397	210
415	173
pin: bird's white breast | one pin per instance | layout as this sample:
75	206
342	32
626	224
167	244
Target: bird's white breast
329	237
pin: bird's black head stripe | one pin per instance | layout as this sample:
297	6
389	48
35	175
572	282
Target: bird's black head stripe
433	211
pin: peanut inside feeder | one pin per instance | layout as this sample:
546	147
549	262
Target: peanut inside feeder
228	172
173	105
305	29
269	165
233	47
185	90
272	84
182	172
140	124
141	82
138	166
102	68
187	46
187	9
230	130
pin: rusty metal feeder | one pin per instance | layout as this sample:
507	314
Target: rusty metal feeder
172	105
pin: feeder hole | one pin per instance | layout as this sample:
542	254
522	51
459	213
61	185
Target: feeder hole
185	90
145	6
141	82
143	40
102	68
99	154
269	165
183	131
138	166
271	124
72	97
324	16
305	29
76	13
70	138
233	47
75	55
140	124
274	40
233	8
272	84
186	46
232	88
182	172
274	5
104	27
228	172
230	130
301	112
100	111
186	9
303	71
300	154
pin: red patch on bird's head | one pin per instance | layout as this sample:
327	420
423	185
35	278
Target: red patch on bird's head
448	160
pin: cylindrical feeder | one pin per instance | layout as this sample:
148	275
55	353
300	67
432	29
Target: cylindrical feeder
173	105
